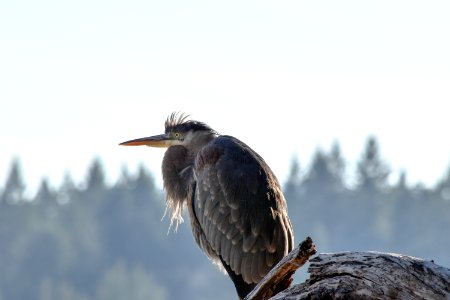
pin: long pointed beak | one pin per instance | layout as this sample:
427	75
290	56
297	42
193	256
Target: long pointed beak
159	141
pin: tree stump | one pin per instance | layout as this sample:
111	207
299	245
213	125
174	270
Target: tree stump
354	275
371	275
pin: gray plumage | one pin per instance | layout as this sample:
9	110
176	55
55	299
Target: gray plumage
236	207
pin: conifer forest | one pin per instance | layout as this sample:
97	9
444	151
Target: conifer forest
92	240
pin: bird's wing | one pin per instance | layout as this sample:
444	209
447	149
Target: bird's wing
240	209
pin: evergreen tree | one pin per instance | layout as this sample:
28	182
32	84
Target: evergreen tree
319	175
336	165
145	183
371	210
96	190
45	194
294	179
125	179
66	191
443	187
372	172
14	189
96	176
326	171
46	199
401	185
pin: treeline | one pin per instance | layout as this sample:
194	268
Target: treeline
108	242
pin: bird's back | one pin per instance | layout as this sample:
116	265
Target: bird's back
238	212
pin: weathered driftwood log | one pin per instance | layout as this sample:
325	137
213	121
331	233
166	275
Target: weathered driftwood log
371	275
280	277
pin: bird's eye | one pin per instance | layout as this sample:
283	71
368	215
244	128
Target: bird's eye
177	135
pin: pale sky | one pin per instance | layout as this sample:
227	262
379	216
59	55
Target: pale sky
286	77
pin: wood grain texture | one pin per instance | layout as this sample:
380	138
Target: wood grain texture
371	275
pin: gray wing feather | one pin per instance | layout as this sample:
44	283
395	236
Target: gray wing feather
249	242
270	259
236	261
256	261
240	209
225	248
262	266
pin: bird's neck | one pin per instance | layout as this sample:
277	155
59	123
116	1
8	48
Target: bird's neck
200	141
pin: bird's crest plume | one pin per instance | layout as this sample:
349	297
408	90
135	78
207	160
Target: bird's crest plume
175	119
181	122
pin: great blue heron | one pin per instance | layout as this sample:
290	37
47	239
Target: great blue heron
236	207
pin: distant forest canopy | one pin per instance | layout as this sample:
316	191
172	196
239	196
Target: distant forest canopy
99	241
336	163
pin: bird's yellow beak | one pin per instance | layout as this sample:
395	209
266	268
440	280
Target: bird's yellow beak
159	141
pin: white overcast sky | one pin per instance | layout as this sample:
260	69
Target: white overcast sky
286	77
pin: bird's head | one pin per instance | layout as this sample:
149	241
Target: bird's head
179	130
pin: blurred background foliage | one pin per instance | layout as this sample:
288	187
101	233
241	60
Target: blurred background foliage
97	241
